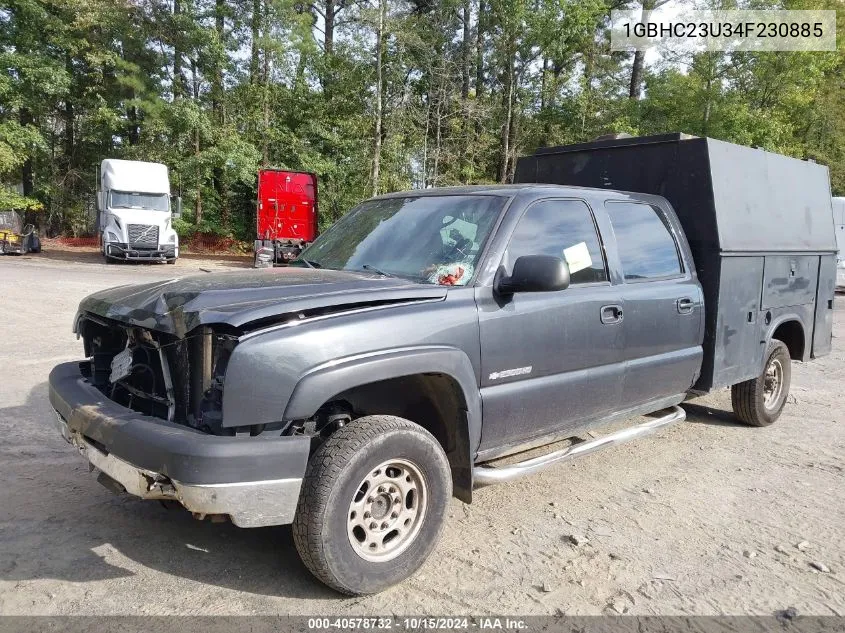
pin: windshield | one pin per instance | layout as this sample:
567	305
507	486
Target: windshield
429	239
133	200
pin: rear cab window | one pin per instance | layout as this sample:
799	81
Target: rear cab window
646	245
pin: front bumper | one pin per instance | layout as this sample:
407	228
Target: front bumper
254	480
127	251
272	252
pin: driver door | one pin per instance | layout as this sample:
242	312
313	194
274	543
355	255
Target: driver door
551	361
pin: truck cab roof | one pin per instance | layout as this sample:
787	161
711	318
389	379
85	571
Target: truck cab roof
538	190
134	176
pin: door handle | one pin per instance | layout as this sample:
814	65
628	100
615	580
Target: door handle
685	305
611	314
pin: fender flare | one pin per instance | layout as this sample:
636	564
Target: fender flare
785	318
336	376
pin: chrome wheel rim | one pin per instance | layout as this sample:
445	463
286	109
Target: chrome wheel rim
772	383
387	510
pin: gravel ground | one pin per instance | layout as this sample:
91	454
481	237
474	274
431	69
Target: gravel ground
708	517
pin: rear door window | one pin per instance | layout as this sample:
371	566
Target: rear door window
644	241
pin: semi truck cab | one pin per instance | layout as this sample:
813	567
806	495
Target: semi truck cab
839	223
134	212
286	215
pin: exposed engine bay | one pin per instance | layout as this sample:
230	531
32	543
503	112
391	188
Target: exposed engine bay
176	379
179	380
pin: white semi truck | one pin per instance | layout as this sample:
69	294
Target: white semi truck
134	211
839	224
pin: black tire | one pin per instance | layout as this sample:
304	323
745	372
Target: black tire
33	244
335	477
749	398
171	261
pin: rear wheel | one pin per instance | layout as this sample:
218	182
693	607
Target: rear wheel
760	401
372	504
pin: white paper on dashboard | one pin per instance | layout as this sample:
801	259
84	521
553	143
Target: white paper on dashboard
578	257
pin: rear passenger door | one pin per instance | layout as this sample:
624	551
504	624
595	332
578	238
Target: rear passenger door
551	360
663	303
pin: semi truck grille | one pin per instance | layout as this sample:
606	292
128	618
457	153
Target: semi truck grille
145	235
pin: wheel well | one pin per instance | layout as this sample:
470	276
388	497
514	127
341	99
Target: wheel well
792	335
435	402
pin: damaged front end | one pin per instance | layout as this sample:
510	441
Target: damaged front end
158	374
145	410
181	380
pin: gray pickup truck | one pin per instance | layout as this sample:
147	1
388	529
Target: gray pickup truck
428	334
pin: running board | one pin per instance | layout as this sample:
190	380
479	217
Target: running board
486	475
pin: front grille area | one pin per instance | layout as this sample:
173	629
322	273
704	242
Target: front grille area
143	235
175	379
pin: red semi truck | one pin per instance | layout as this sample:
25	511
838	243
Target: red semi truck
286	215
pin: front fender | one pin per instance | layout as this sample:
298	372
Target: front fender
337	376
334	377
114	232
265	368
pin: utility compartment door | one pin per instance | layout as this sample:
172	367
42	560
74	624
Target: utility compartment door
738	339
823	330
789	280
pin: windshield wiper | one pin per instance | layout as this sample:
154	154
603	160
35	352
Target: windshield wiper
376	270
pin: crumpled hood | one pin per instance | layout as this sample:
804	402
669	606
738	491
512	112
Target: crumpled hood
239	298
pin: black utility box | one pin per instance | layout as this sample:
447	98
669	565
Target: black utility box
760	226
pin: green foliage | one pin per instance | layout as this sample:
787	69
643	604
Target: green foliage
12	200
217	88
17	144
183	228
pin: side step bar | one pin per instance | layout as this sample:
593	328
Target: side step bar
486	475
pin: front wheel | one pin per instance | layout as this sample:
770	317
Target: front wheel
760	401
372	504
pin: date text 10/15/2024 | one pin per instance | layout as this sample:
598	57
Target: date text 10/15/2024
418	623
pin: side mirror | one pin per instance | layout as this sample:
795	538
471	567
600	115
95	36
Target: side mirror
177	207
534	273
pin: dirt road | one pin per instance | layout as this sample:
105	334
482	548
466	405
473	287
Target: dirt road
708	517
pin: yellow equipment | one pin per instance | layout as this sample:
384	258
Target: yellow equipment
15	237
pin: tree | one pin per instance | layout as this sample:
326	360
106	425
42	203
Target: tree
372	95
